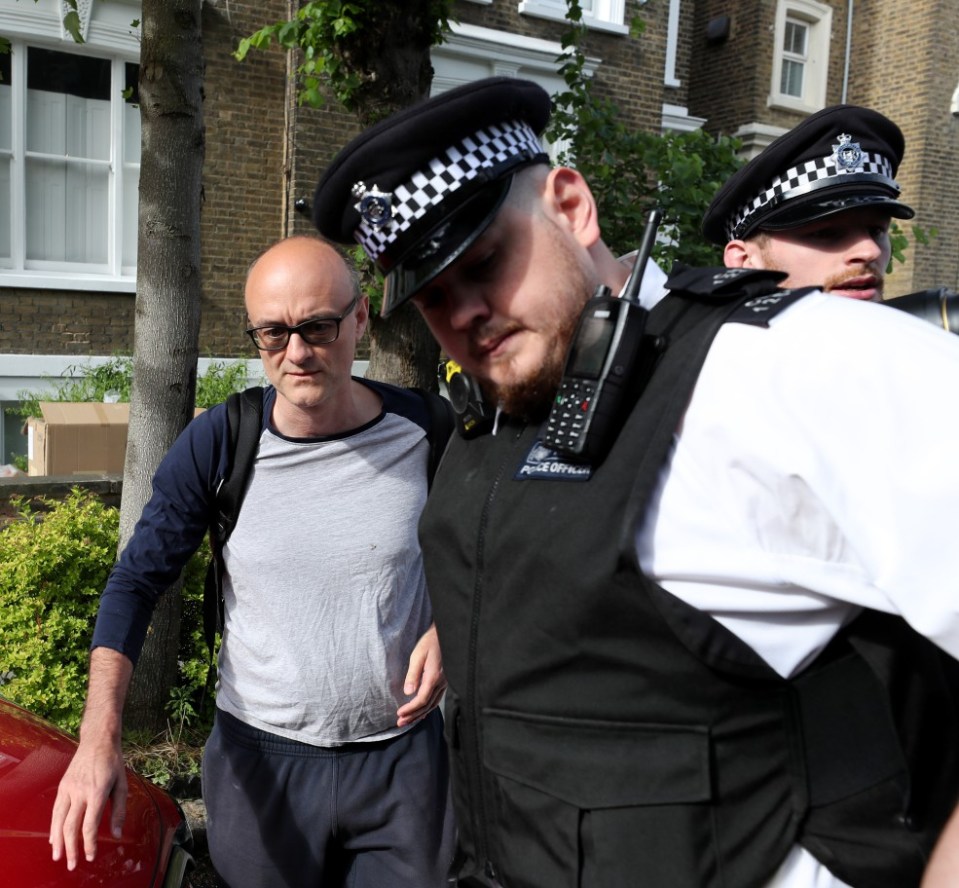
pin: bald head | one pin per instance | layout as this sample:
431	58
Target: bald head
304	255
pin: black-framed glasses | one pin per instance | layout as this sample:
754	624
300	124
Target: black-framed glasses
315	331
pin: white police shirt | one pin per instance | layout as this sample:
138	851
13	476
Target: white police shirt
653	285
815	473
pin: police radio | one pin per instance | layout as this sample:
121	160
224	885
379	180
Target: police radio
473	415
600	365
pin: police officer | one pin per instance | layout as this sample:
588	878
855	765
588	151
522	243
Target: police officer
702	658
817	204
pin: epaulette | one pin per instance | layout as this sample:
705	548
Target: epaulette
723	281
756	289
757	310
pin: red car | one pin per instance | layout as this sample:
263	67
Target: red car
154	851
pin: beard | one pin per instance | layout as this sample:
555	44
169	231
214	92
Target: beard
531	398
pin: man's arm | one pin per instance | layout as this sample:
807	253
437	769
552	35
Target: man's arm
168	533
424	678
943	869
96	773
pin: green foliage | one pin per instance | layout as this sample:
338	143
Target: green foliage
193	659
175	756
219	382
371	278
321	30
54	563
113	380
631	172
53	567
88	382
71	24
899	242
167	758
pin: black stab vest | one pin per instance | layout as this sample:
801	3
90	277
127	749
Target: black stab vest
604	734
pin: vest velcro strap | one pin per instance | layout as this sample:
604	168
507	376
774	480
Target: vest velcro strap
849	742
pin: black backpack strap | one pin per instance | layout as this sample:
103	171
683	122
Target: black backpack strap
442	423
244	412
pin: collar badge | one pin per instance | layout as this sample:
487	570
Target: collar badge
375	206
847	154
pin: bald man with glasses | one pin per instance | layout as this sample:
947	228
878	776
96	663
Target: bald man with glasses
326	765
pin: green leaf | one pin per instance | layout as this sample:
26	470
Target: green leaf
71	23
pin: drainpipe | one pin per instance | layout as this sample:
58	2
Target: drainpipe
845	70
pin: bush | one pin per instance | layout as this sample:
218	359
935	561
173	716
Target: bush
632	171
114	380
54	563
219	382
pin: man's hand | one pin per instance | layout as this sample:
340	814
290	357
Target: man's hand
96	774
943	869
424	679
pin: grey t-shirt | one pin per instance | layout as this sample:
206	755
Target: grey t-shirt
325	595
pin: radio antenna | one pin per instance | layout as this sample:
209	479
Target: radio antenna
631	290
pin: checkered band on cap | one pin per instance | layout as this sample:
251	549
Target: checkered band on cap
459	164
807	177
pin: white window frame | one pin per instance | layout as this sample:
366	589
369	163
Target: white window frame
601	15
817	17
799	58
108	34
671	78
470	53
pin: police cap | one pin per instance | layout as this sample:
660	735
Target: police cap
419	187
840	158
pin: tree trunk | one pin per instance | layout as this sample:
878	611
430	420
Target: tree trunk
167	321
403	351
391	55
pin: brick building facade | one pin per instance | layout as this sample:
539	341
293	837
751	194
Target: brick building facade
697	62
901	61
264	153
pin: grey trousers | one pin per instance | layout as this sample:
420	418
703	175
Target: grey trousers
283	814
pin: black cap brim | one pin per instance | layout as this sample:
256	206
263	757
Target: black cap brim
440	247
802	170
798	212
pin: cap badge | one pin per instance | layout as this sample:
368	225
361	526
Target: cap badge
848	154
375	206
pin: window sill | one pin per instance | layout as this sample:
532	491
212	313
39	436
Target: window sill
780	102
538	10
66	281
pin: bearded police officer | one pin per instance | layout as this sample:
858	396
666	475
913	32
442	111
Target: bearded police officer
701	657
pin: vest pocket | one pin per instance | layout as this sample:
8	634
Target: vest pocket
590	804
599	764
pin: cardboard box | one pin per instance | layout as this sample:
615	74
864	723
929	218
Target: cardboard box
73	438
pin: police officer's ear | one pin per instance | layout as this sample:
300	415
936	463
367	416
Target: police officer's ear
571	202
743	254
